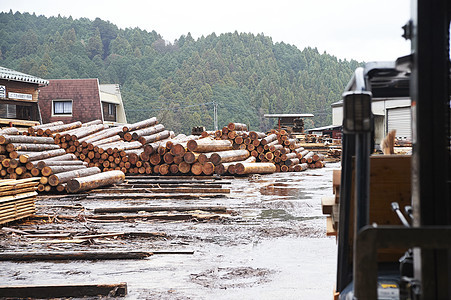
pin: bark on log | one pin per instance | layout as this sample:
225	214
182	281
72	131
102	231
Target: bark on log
49	170
32	129
102	135
142	124
292	161
270	138
94	181
228	156
209	145
146	139
59	178
111	139
24	158
59	128
86	131
237	127
254	168
190	157
7	139
31	147
208	168
42	163
135	135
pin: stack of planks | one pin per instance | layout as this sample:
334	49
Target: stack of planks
331	205
17	198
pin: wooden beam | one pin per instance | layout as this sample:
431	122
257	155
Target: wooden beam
64	291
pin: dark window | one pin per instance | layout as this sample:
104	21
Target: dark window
109	112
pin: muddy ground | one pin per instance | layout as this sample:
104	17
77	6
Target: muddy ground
271	245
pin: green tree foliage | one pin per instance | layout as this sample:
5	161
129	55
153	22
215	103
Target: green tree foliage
245	75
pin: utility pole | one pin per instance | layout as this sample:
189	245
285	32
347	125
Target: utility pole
215	115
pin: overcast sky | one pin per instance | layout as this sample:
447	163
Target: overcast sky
365	30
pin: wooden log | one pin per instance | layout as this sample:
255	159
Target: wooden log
63	177
254	135
164	169
101	135
63	127
208	168
228	156
300	167
270	138
196	168
30	147
142	124
94	181
254	168
135	135
190	157
49	170
237	127
287	156
88	130
111	139
32	129
24	158
184	167
292	161
9	131
90	123
7	139
146	139
305	158
209	145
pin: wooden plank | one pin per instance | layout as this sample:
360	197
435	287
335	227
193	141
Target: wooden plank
151	196
326	204
330	231
186	190
81	255
222	209
64	291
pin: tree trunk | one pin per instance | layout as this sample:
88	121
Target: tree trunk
7	139
135	135
142	124
228	156
252	168
24	158
31	147
94	181
146	139
59	178
49	170
208	145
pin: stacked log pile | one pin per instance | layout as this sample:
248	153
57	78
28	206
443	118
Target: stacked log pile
147	147
17	199
275	147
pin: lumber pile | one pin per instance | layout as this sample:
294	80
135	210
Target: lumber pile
274	147
17	199
331	205
147	147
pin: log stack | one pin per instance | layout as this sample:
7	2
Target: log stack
147	147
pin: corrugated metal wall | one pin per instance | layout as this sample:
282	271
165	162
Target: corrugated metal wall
399	118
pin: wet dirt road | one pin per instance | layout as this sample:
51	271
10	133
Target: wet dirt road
273	246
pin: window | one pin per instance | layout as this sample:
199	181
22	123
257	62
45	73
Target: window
62	107
109	111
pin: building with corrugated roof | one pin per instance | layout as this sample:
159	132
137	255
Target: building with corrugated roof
19	98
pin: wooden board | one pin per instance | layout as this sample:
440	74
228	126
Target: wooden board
330	231
64	291
326	204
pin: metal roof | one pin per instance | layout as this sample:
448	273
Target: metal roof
288	115
330	127
12	75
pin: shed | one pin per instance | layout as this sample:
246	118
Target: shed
333	131
391	104
19	98
84	100
291	122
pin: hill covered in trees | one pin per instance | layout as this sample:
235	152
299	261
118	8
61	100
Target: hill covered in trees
246	75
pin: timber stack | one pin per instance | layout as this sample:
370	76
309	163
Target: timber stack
147	147
17	199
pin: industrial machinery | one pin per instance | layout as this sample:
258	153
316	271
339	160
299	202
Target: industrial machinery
383	252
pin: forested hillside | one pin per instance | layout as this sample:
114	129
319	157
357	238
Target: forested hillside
247	75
